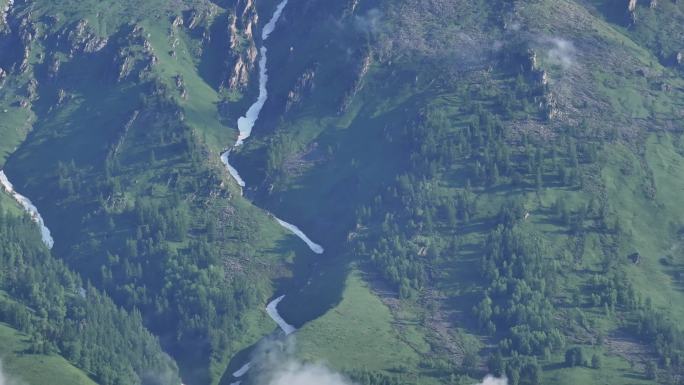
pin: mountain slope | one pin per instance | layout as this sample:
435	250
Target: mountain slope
524	123
495	183
123	155
35	369
59	315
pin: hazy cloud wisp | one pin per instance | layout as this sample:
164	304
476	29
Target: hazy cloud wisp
276	364
296	373
491	380
561	52
6	380
370	22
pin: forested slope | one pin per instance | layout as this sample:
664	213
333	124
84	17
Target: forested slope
61	315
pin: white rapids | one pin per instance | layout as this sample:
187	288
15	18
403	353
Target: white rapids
5	12
246	124
29	208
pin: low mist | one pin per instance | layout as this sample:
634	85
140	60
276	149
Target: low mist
296	373
561	52
275	363
6	380
491	380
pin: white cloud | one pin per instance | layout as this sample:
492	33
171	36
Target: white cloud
5	380
370	22
275	363
561	52
491	380
295	373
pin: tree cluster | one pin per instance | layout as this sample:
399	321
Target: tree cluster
61	314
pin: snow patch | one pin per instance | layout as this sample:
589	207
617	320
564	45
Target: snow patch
246	123
232	170
316	248
272	310
270	26
244	369
29	208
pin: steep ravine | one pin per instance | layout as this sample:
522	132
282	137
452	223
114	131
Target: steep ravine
245	125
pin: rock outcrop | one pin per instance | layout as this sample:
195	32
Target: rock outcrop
3	14
27	34
180	86
242	46
304	85
3	76
53	67
136	57
631	6
360	73
631	11
351	6
547	101
82	39
177	22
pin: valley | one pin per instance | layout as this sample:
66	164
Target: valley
468	190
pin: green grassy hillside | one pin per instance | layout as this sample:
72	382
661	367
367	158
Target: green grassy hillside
361	323
17	365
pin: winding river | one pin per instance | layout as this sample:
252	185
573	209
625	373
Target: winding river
245	126
246	123
29	207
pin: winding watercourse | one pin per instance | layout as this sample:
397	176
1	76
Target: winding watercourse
245	126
